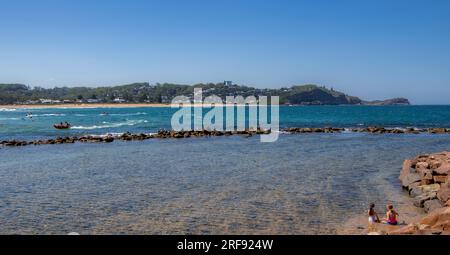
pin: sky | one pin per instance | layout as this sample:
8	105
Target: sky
374	49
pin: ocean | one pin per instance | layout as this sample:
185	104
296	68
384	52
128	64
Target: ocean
301	184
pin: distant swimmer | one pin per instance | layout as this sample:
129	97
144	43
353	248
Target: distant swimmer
104	114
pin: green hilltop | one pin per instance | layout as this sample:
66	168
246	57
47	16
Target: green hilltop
143	92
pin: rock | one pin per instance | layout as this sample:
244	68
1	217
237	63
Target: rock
438	219
426	177
444	169
413	185
410	179
435	164
415	192
407	230
444	193
108	139
440	178
437	130
420	200
430	188
406	169
432	205
422	165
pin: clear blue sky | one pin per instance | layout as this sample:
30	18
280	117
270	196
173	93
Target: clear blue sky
372	49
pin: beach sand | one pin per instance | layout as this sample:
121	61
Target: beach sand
358	224
56	106
80	106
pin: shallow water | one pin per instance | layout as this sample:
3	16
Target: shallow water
14	124
302	184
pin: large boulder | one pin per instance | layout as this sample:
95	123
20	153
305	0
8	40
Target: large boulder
420	200
419	190
440	178
407	230
416	191
444	169
410	179
422	165
438	219
430	188
406	169
432	205
444	192
426	176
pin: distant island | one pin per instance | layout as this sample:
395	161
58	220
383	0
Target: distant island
164	93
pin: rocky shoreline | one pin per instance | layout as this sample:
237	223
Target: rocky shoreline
427	180
165	134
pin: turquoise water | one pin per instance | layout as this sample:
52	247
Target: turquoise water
14	124
301	184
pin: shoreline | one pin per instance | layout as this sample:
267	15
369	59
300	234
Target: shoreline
425	180
80	106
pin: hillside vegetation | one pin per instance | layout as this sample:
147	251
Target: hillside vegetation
164	93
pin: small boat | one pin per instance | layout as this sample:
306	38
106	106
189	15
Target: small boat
62	126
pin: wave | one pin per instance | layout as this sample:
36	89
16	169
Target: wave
7	110
111	125
46	115
115	134
124	114
9	118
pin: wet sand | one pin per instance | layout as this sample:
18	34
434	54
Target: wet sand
358	224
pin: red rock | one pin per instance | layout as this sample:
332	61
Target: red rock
420	200
422	165
440	178
426	174
438	219
435	164
410	179
406	169
407	230
432	205
444	193
425	181
430	188
444	169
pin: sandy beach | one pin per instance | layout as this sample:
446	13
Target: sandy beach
106	105
53	106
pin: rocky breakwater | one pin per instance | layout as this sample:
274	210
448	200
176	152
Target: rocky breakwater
294	130
162	134
427	180
371	130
